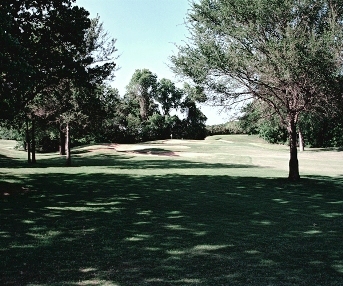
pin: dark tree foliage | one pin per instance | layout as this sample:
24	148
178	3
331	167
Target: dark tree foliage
318	130
259	119
142	87
168	95
63	57
231	127
42	44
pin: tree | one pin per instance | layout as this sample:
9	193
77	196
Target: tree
168	95
142	86
322	131
48	36
107	125
14	67
195	127
100	53
315	129
285	53
73	101
99	64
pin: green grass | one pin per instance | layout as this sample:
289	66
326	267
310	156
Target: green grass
213	212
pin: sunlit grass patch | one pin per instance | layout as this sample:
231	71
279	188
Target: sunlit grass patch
95	282
138	237
338	266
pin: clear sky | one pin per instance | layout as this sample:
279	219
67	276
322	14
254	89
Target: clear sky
146	33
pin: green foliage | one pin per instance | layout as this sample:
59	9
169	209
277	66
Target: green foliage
271	130
258	119
194	123
54	63
231	127
9	133
249	121
15	68
143	86
317	130
123	120
168	95
49	38
322	131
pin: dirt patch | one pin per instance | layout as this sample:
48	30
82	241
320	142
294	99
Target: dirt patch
168	148
155	151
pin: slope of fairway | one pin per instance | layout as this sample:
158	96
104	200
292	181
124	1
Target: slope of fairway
234	151
173	212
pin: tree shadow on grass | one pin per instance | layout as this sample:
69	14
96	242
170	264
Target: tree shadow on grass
103	229
117	161
326	149
10	162
123	162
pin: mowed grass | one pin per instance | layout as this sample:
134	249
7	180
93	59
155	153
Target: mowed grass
175	212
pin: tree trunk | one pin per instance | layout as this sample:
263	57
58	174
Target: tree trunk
293	161
33	146
62	146
28	143
301	142
68	155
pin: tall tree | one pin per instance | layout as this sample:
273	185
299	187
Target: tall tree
142	86
75	99
195	120
168	95
49	35
285	53
14	67
84	104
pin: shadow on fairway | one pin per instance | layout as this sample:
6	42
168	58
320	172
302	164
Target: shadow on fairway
103	229
9	162
116	161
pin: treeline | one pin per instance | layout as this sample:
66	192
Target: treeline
56	63
315	129
151	109
231	127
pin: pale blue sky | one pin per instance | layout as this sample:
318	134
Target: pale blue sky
146	33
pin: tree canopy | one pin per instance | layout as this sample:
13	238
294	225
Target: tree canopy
52	58
168	95
142	86
285	53
43	43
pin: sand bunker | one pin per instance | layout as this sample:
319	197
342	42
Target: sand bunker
158	148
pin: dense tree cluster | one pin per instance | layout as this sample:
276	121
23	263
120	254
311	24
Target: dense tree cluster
103	115
230	127
50	63
151	109
55	62
313	130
